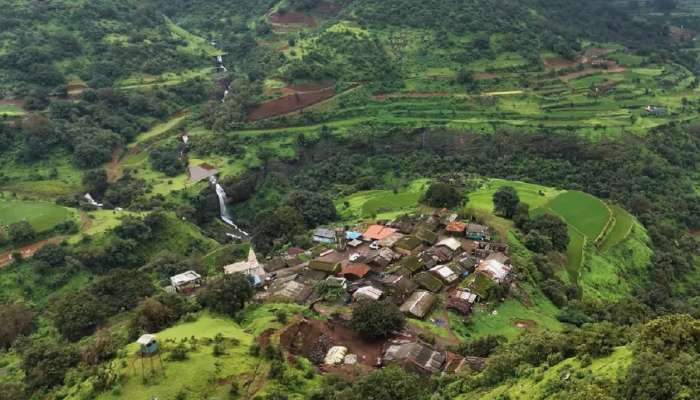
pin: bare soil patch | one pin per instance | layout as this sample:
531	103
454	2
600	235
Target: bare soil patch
312	339
28	250
17	102
525	324
293	101
559	63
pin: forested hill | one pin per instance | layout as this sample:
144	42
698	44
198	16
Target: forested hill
528	25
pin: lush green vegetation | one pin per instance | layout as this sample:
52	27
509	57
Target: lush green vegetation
569	127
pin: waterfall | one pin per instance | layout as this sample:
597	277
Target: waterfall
91	200
224	212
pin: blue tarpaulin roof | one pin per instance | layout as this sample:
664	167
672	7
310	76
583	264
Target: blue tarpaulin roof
352	235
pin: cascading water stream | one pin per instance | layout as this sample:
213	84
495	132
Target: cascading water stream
224	212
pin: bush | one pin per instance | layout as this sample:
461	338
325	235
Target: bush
178	353
21	232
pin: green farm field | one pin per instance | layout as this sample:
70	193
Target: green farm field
584	212
42	216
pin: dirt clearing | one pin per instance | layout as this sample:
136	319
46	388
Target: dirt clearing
291	102
312	339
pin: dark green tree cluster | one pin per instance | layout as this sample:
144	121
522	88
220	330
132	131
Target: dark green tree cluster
376	319
226	295
443	195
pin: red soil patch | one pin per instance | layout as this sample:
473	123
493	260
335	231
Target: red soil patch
294	101
28	250
292	18
114	170
17	102
559	63
264	338
312	339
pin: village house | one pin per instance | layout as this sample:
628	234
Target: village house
327	267
428	281
456	363
289	290
383	257
186	282
477	232
355	271
378	232
391	240
324	235
400	287
405	224
427	236
409	245
445	273
412	264
415	356
456	228
419	304
367	293
461	301
493	269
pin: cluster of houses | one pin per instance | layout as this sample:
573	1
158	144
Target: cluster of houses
415	262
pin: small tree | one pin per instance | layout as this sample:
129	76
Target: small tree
377	319
505	201
442	195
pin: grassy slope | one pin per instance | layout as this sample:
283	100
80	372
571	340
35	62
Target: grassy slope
202	375
42	216
535	386
385	204
608	273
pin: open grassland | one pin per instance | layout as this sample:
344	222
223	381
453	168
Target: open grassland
203	374
11	110
586	213
195	44
158	129
42	216
611	367
510	319
381	204
616	273
533	195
